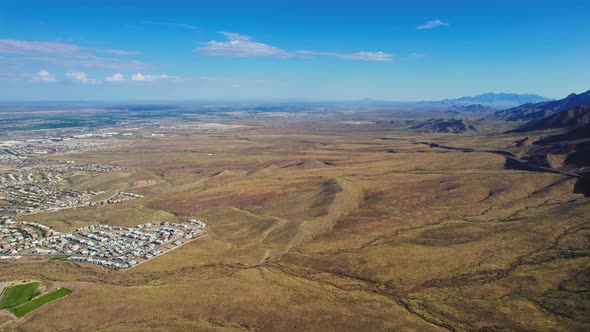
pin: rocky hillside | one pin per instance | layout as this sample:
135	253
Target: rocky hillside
446	126
575	117
529	112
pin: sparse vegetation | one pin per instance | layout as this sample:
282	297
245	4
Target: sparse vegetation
324	229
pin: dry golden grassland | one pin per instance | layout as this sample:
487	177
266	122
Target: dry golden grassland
315	227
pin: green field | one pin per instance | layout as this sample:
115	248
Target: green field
57	258
39	301
17	295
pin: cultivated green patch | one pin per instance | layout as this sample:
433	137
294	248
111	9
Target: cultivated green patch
57	258
19	294
39	301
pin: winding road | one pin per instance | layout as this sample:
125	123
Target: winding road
521	163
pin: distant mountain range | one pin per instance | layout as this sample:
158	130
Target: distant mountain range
536	111
472	108
496	100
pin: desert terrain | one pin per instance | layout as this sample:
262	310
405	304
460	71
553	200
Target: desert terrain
322	223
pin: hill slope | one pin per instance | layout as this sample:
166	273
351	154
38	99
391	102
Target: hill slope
528	112
446	126
579	133
575	117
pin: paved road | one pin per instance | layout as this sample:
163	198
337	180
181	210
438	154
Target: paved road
542	168
525	164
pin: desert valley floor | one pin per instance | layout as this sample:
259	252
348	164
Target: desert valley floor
315	225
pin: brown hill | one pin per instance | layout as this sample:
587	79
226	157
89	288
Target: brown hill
446	126
268	171
307	164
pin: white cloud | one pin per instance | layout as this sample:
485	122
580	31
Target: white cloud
232	36
414	56
42	76
432	24
80	77
67	55
238	45
362	56
87	62
120	52
21	46
148	77
173	25
367	56
115	78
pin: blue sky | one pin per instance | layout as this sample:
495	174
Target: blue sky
392	50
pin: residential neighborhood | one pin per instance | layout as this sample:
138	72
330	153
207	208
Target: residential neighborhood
105	245
34	186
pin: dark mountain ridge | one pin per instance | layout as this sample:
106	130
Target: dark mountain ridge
536	111
573	118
